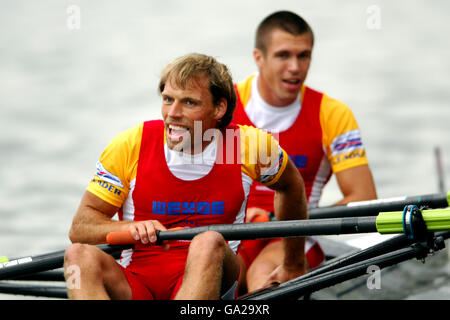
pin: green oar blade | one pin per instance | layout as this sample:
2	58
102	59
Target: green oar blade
437	220
392	222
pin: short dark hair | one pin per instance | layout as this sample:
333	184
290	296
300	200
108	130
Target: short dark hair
194	65
283	20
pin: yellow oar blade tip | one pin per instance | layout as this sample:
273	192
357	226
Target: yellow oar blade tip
4	259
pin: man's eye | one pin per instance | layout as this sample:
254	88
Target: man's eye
305	55
167	99
191	102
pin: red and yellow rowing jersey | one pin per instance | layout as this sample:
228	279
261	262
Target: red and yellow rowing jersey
134	175
322	137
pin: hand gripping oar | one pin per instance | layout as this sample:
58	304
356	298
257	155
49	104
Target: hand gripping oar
411	221
374	207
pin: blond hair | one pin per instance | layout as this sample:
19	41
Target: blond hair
193	66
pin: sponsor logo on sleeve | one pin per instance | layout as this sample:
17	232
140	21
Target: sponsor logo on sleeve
105	175
347	142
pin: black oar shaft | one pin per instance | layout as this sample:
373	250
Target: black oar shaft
54	260
372	208
34	290
50	275
340	275
292	228
320	280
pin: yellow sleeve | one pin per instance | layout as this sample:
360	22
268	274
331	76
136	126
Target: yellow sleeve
244	89
117	167
341	135
262	157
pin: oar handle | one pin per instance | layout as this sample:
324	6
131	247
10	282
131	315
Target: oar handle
125	237
120	237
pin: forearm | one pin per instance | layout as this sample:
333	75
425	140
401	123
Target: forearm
356	184
91	226
292	205
93	220
357	196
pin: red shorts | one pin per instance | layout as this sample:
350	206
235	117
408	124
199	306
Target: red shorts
157	276
250	249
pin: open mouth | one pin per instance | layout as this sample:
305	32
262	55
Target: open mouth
176	133
292	81
292	84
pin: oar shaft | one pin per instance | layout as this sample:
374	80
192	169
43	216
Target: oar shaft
303	285
336	276
54	260
374	207
34	290
29	265
291	228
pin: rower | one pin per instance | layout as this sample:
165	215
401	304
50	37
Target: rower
319	133
191	169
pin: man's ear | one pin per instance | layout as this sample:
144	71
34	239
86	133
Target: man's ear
258	56
220	109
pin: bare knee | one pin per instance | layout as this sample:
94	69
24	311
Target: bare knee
83	256
75	252
208	244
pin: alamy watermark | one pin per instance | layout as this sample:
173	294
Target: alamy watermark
373	21
73	277
374	280
258	145
73	21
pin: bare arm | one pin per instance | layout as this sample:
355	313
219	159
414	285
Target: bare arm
290	204
356	184
93	221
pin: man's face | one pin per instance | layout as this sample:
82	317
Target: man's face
284	67
181	108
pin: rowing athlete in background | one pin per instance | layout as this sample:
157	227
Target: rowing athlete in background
319	133
193	168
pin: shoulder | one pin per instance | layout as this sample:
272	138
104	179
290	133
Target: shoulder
123	148
336	117
255	133
246	82
331	104
129	137
244	88
262	158
331	108
117	166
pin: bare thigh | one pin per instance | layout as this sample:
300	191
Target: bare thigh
265	263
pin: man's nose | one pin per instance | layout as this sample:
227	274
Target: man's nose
293	64
175	110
